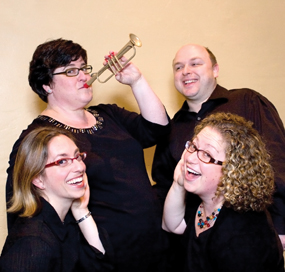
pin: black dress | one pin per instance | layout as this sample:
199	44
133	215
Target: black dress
122	199
237	242
43	243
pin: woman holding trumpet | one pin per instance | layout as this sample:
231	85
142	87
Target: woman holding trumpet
121	198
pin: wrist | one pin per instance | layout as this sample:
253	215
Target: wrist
78	213
83	217
138	82
178	187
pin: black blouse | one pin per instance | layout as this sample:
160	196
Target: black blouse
44	243
237	242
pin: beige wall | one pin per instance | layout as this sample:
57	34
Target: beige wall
247	37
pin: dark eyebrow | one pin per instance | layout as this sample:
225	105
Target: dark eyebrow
71	65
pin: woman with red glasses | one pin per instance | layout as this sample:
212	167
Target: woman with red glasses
49	178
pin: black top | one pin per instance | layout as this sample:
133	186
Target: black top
122	199
237	242
44	243
244	102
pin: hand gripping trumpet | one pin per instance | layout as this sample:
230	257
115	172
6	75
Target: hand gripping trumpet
113	62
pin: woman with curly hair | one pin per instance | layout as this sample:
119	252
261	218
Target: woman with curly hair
226	176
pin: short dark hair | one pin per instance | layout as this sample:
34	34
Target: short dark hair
49	56
212	56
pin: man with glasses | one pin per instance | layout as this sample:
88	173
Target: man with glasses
195	71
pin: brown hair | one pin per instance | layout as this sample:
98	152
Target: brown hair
30	163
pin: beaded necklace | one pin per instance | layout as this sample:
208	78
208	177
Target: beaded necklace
92	130
209	219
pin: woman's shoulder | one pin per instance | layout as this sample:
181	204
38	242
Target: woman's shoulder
242	240
245	220
36	123
245	226
29	238
31	230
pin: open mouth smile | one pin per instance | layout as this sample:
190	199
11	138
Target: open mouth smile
191	171
190	81
75	181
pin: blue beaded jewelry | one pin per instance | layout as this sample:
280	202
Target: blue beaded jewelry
209	219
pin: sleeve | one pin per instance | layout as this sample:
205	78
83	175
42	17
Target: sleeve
162	169
28	254
169	150
147	133
268	122
94	260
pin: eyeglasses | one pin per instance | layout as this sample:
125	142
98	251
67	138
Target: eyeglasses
72	72
202	155
67	161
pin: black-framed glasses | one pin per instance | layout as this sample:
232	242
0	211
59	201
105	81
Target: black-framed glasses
67	161
71	72
202	155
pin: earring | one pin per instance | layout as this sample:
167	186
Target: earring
49	91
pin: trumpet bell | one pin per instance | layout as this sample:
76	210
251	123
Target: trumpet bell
135	40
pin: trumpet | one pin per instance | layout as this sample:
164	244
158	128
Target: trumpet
113	62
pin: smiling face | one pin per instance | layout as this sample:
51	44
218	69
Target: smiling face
194	74
61	185
69	92
200	178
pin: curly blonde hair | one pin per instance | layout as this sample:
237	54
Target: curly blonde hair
247	182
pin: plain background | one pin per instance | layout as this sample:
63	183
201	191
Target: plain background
247	37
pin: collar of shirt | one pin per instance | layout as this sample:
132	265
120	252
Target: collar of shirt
53	221
218	96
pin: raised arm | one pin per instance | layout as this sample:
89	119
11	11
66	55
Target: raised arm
174	206
85	220
149	104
